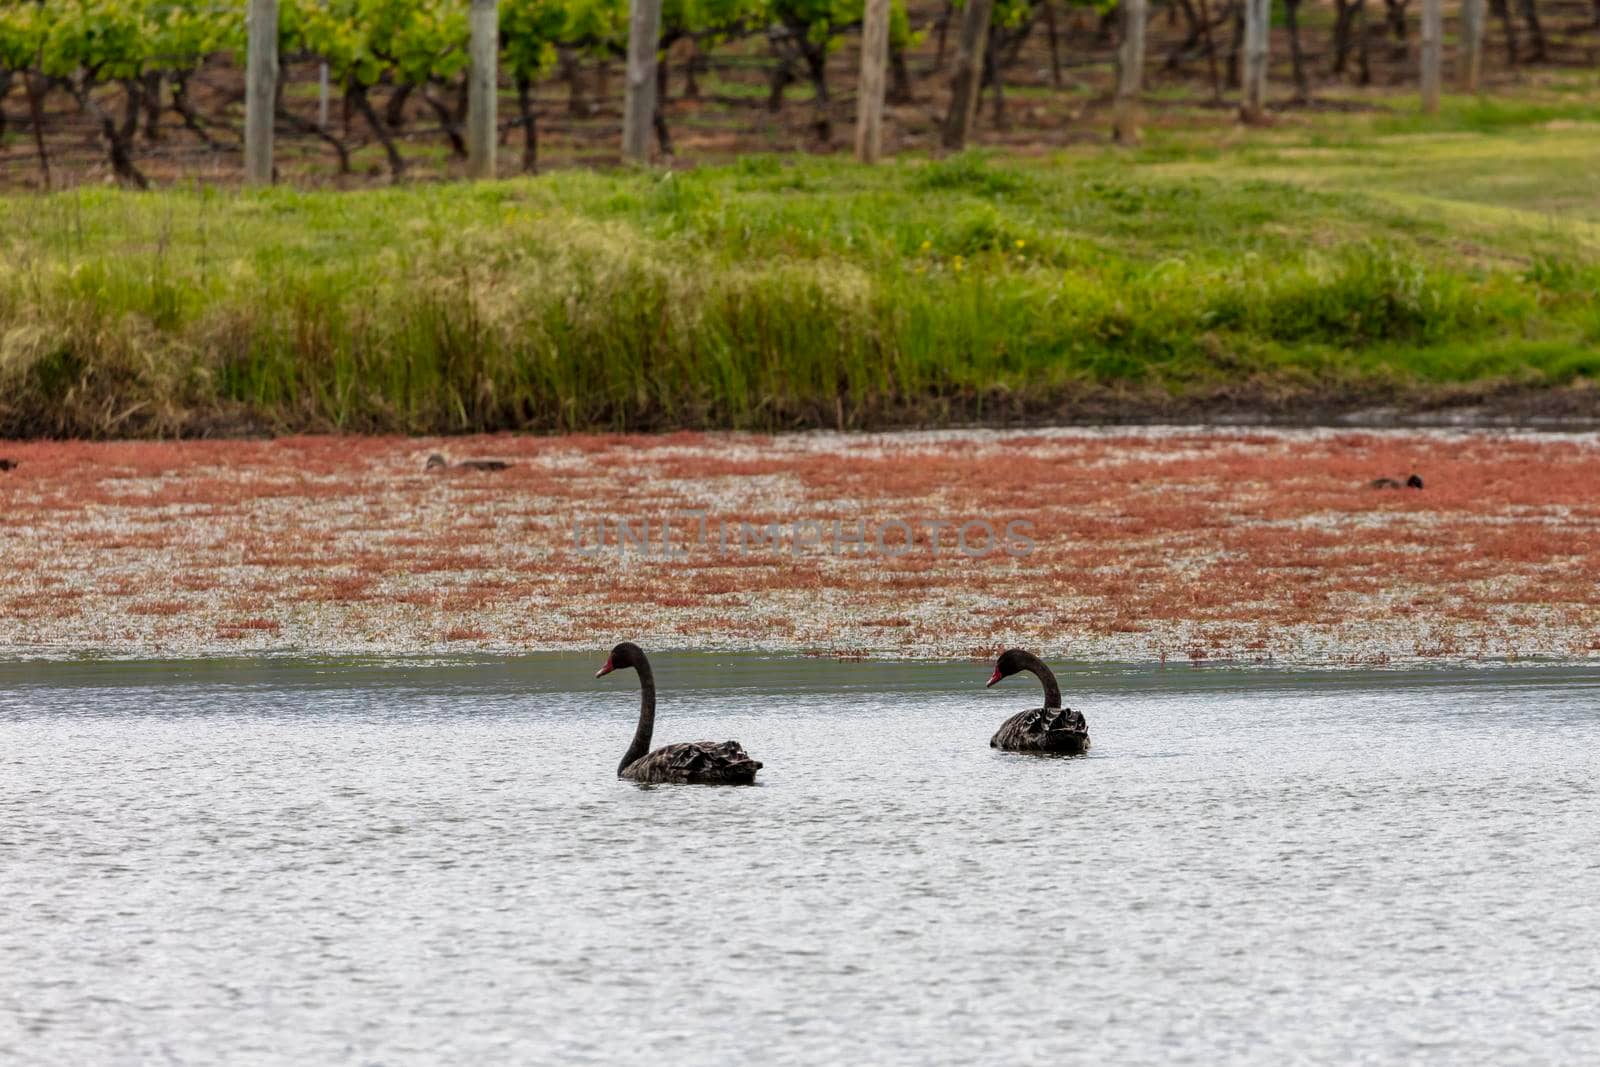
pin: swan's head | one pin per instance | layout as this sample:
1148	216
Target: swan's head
436	462
1414	482
1010	662
626	654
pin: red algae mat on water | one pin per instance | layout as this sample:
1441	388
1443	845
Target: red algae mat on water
1114	545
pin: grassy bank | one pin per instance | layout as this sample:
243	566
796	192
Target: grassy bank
1335	262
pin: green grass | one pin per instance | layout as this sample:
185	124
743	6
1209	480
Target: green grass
1342	261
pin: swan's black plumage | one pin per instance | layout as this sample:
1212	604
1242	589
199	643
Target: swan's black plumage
1044	730
1051	728
692	762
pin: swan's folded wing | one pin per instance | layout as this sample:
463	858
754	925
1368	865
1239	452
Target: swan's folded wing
1053	719
724	753
1041	728
688	757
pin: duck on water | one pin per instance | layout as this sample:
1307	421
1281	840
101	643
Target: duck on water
1051	728
1413	482
436	462
692	762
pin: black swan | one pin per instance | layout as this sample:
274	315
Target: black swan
1413	482
1051	728
437	462
695	762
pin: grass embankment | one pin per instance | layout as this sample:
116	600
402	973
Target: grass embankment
1333	263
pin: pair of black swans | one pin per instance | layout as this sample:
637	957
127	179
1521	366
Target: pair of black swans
1050	729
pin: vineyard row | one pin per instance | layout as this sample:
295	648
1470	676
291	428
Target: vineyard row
123	63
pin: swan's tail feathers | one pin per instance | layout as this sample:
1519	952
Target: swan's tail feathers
738	760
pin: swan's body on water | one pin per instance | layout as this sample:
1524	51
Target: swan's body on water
1051	728
692	762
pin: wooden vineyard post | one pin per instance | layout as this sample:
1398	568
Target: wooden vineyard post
639	104
1130	72
322	96
869	98
260	91
1469	63
483	88
969	73
1432	55
1257	26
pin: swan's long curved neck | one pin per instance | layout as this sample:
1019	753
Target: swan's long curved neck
1052	691
647	716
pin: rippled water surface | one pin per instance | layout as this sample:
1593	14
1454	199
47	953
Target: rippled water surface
405	863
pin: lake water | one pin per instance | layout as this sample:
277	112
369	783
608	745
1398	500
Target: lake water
402	862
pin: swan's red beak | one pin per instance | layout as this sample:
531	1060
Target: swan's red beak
995	678
607	669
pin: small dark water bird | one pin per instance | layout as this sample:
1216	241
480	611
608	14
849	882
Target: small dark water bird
437	462
693	762
1413	482
1051	728
8	464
